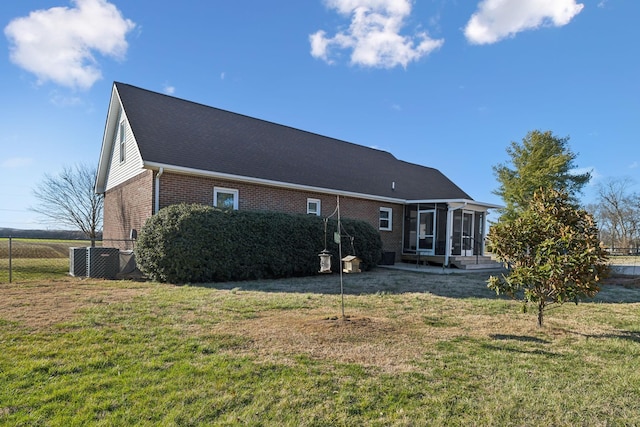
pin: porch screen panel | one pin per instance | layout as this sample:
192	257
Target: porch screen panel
478	233
441	230
410	229
456	244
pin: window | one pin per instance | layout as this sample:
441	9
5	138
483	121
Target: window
313	207
123	141
225	198
386	218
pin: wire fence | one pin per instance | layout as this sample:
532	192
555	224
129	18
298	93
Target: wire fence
615	252
26	259
625	261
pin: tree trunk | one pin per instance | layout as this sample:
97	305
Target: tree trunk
540	313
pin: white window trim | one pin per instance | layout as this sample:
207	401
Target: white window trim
390	219
318	203
223	190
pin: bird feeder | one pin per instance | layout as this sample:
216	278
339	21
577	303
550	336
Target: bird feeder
325	261
351	264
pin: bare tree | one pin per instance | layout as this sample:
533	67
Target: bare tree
68	199
618	213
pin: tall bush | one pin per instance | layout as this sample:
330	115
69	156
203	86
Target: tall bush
196	243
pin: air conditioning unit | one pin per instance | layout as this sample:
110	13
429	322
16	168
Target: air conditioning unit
78	262
103	263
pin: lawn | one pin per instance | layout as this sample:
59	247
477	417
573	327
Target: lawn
415	349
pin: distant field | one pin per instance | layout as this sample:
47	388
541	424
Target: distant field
39	248
625	260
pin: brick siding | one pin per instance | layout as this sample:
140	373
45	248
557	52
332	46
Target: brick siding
126	207
131	203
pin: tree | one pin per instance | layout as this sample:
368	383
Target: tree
69	199
617	212
541	160
552	251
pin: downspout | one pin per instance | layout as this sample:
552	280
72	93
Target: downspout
157	201
449	228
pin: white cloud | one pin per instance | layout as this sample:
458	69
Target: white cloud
168	89
373	36
58	44
498	19
16	162
633	165
60	100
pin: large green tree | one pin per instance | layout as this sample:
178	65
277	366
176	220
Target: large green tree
541	160
552	252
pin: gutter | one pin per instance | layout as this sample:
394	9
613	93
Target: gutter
157	198
272	183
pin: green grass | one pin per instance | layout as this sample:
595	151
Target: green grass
34	269
414	351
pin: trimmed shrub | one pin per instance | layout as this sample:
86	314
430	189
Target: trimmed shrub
197	243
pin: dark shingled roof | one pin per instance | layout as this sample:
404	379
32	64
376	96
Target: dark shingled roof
177	132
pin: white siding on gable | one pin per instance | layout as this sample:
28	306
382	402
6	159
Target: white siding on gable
120	172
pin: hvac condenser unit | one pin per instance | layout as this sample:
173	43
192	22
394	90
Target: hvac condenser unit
78	262
103	263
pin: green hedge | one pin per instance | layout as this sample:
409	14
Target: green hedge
197	243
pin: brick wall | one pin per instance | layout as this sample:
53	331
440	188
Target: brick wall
130	204
127	207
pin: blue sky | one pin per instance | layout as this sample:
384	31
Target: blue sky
443	83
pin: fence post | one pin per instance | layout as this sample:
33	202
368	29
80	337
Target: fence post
10	270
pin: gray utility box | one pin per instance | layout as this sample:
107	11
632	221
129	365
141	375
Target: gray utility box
78	262
103	263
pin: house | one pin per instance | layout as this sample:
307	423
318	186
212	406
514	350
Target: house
159	150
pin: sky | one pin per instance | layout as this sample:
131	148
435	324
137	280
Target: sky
447	84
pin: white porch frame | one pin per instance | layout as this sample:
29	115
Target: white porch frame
453	205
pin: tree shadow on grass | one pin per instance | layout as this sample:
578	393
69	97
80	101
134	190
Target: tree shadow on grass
385	281
511	349
633	336
378	281
522	338
511	343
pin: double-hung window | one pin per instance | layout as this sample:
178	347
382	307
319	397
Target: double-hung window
386	219
313	207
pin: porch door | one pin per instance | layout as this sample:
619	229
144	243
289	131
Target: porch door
467	234
426	232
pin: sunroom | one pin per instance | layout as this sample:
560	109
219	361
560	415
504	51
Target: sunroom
445	232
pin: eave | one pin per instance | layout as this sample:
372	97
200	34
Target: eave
300	187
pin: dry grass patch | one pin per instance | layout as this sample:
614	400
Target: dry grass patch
41	305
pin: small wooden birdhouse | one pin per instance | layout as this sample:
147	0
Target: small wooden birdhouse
351	264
